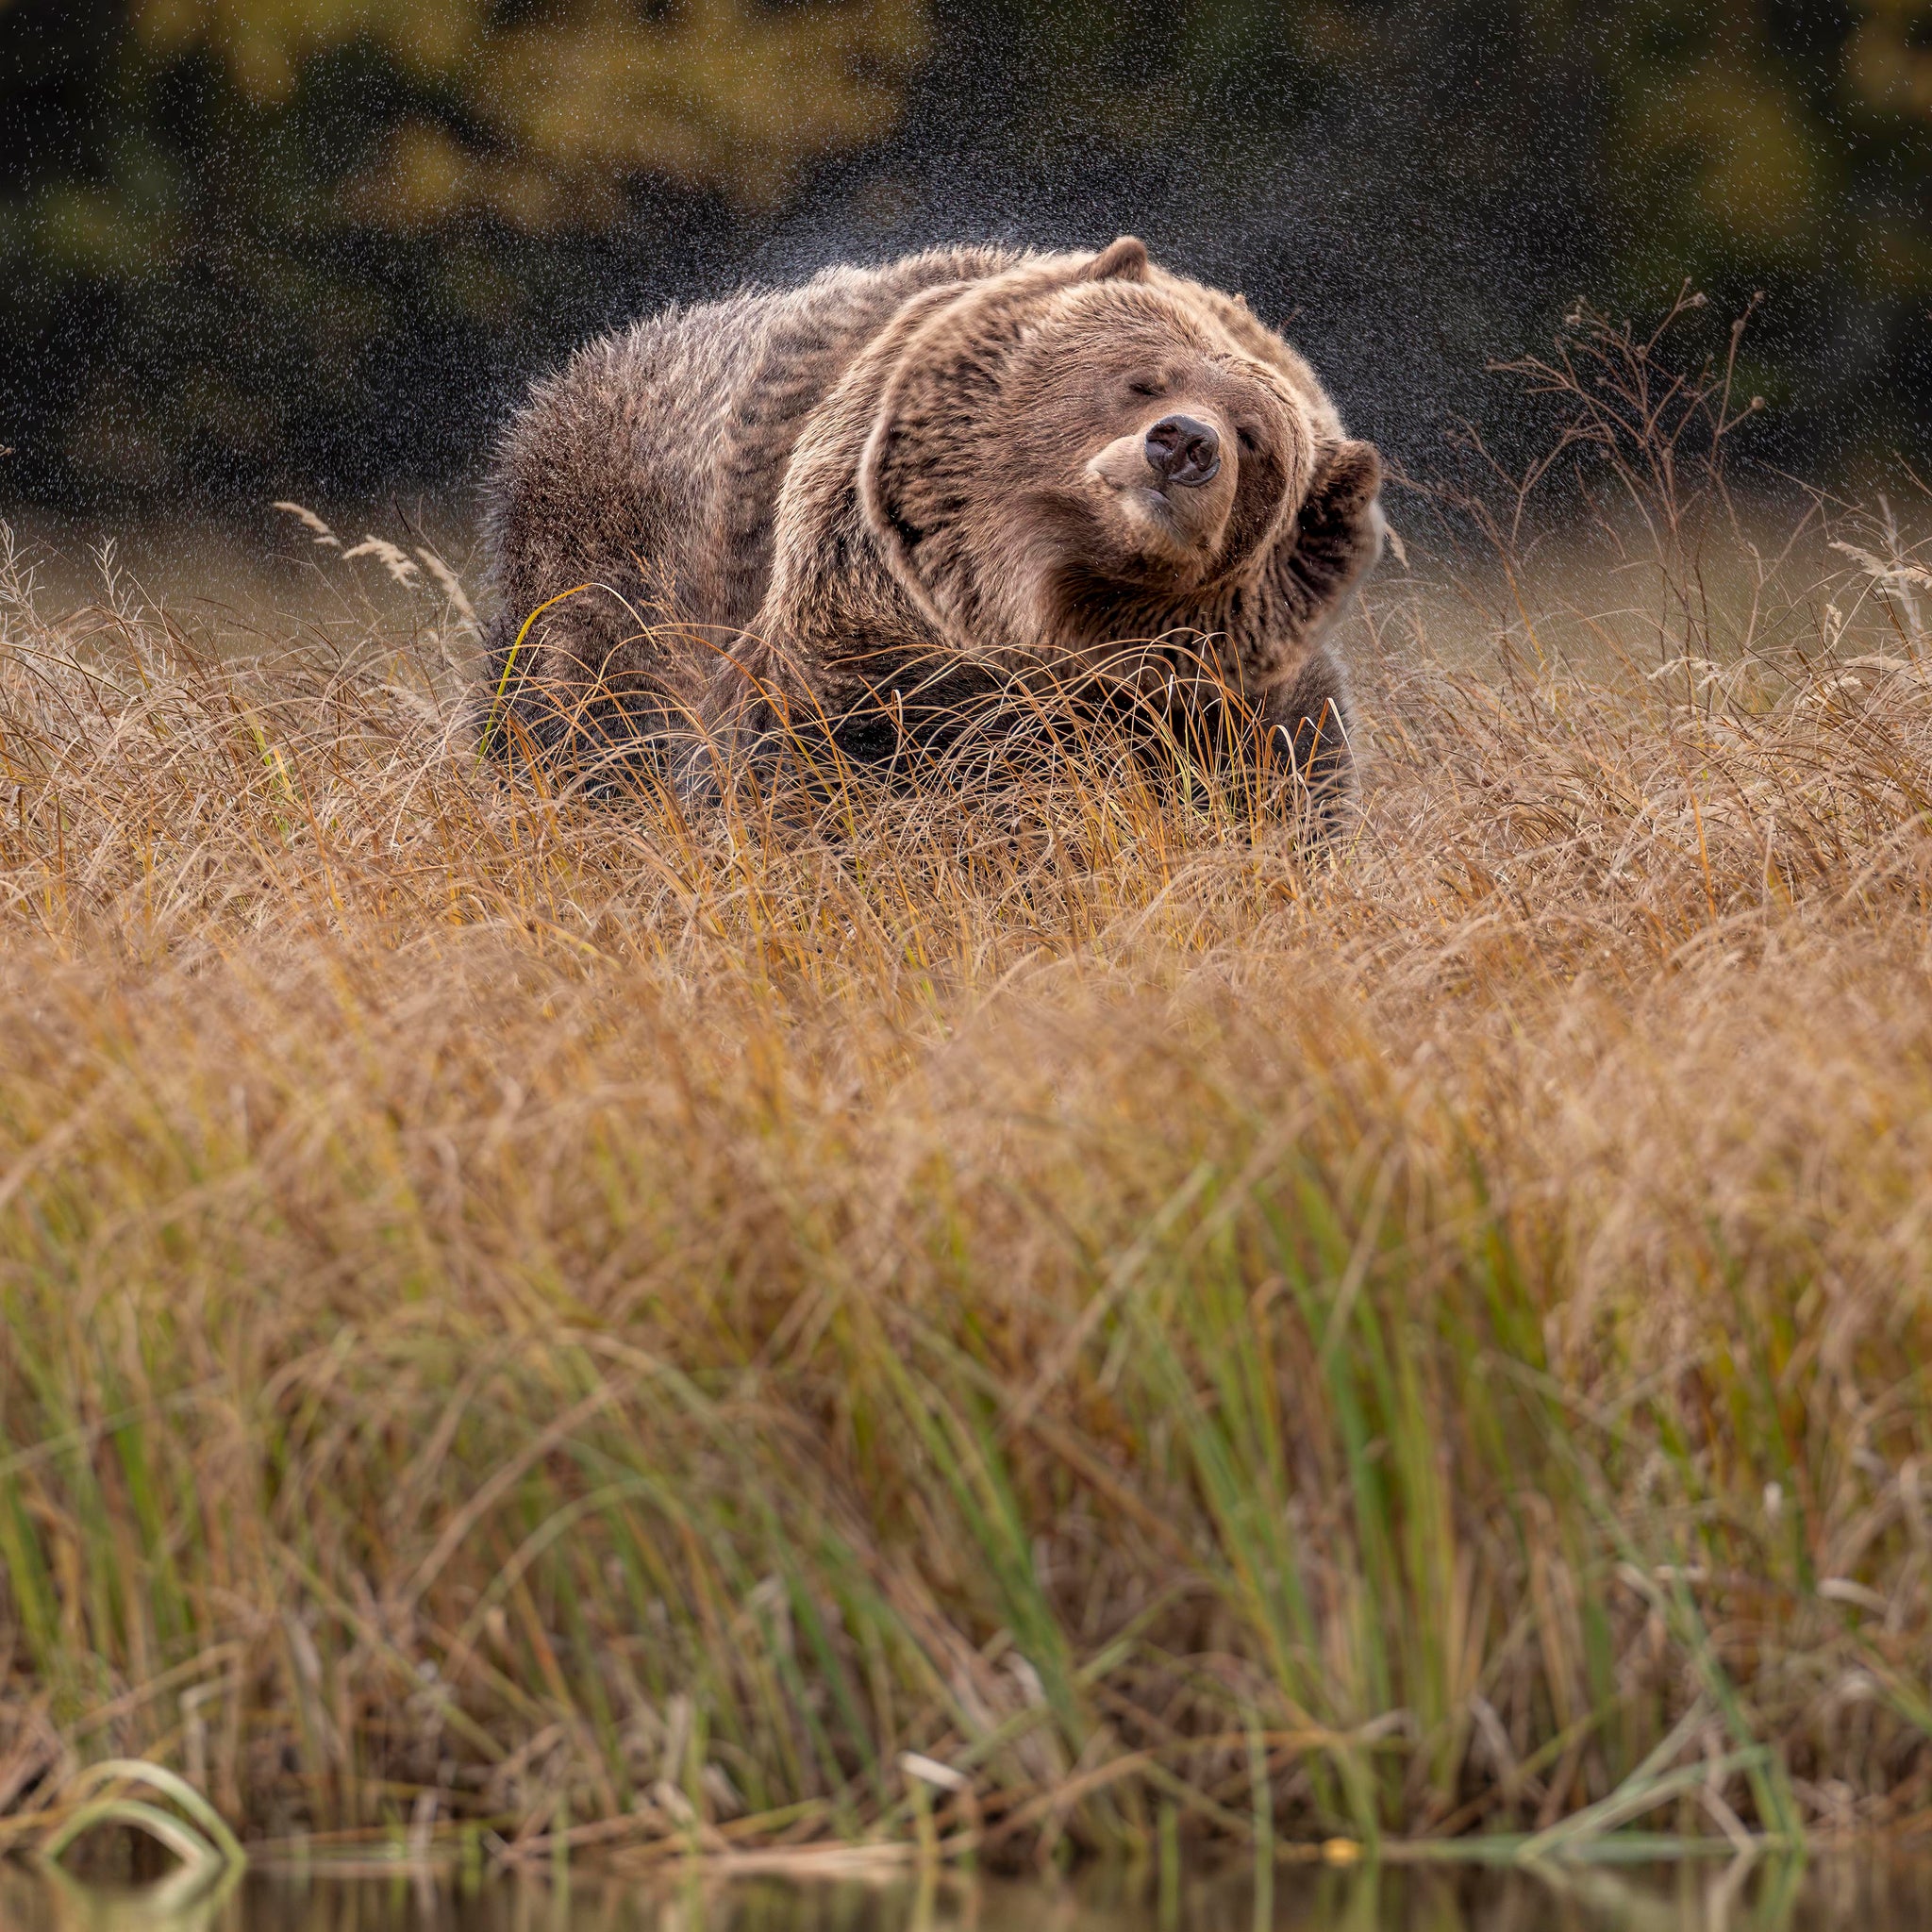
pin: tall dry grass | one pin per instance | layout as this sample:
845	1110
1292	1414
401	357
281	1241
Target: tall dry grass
1055	1319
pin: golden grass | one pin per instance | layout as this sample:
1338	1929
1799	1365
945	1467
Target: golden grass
1056	1319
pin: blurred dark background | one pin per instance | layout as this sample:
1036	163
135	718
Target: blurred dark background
256	247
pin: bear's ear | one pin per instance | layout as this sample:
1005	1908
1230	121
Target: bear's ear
1121	261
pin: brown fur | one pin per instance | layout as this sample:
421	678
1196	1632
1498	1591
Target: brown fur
861	505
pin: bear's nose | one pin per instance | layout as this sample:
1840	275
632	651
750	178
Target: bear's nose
1183	449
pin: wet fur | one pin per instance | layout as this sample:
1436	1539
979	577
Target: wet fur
799	510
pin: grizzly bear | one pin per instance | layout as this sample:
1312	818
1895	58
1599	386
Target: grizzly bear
856	510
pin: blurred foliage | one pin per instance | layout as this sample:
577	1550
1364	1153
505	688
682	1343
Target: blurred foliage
539	114
318	243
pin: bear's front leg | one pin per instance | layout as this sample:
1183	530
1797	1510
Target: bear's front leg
1302	748
756	704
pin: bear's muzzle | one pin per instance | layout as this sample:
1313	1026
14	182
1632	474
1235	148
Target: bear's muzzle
1185	450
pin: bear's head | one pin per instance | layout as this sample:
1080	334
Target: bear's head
1063	449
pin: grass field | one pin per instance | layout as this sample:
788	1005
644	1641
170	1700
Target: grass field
1019	1325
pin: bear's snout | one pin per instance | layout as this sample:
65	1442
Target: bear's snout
1183	449
1167	491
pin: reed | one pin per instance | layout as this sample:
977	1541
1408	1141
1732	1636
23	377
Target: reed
1041	1319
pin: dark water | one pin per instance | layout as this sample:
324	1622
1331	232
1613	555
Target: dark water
1844	1894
